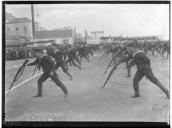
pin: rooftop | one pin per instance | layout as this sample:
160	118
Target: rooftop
53	34
46	41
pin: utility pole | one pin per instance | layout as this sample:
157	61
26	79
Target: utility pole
75	36
86	36
33	22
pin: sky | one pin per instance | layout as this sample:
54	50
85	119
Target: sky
114	19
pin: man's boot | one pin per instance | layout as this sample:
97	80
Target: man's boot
136	90
160	85
39	91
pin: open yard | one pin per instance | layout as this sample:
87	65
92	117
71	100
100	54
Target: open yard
87	101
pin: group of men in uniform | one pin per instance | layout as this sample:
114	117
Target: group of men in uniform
49	70
132	56
45	57
123	54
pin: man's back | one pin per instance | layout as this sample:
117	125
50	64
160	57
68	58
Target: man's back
140	58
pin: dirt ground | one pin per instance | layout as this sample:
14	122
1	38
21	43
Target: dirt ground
87	101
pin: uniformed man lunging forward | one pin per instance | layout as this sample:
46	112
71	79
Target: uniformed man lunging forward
60	62
143	69
48	68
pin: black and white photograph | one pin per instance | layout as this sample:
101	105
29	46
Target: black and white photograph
102	62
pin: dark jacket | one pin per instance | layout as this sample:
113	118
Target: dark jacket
140	58
58	56
45	62
141	61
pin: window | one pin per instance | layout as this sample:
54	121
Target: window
16	28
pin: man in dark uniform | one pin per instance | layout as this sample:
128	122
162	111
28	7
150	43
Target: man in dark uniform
48	68
71	58
143	69
60	62
83	53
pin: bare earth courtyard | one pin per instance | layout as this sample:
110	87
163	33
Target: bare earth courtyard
87	101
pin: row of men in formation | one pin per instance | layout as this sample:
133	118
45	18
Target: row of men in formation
133	55
120	53
29	52
160	47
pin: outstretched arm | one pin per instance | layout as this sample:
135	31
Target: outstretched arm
48	59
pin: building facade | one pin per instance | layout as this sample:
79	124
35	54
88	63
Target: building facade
9	17
20	27
106	40
94	37
61	36
138	39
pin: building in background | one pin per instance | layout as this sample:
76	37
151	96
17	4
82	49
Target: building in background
61	36
19	31
9	17
94	37
16	41
106	40
79	39
147	38
40	44
138	39
20	27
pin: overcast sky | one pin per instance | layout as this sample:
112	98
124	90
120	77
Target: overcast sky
114	19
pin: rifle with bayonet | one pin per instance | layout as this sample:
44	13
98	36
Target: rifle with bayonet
122	59
110	64
110	74
19	72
